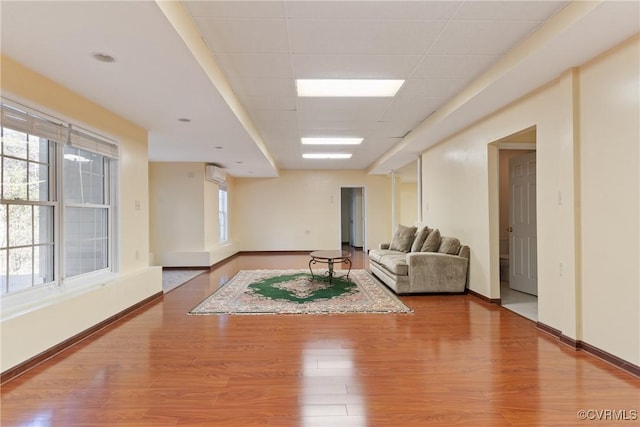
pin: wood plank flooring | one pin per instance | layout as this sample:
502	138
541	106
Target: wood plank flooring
456	361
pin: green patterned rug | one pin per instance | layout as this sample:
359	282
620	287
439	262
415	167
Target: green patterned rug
296	292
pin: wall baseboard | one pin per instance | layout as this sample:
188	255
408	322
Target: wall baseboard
23	367
592	350
485	298
275	252
576	344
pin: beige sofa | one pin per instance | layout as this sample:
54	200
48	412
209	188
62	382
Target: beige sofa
421	261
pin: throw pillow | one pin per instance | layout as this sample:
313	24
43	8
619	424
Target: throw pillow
420	238
402	238
432	243
449	245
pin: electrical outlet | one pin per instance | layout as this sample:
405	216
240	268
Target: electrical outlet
561	270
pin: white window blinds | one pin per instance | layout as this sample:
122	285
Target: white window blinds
23	120
84	140
31	124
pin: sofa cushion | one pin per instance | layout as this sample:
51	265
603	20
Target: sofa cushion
421	236
403	238
378	254
397	264
449	245
432	242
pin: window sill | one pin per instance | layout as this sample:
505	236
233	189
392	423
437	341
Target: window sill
16	305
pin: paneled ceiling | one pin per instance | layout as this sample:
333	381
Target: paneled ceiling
240	95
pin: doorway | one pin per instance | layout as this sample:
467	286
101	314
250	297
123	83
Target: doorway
352	214
517	229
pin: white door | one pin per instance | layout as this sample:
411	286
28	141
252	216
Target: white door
523	255
357	223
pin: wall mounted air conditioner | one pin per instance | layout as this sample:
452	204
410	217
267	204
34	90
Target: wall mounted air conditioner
215	174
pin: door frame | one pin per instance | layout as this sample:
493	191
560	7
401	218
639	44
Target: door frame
364	214
493	166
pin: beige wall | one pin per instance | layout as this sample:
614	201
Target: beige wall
407	193
184	216
300	210
31	331
596	107
610	194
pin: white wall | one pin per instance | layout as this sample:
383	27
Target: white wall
32	330
300	210
460	187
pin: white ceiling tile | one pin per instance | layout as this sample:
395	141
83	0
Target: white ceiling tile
415	109
235	9
341	109
276	117
363	37
461	67
354	66
275	133
481	37
429	88
334	127
285	103
264	87
392	129
256	65
509	10
434	10
244	35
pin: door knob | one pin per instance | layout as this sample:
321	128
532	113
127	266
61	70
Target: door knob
510	229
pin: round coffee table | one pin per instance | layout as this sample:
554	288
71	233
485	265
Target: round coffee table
330	258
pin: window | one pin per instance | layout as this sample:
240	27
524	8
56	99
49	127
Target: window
86	218
223	214
56	210
26	212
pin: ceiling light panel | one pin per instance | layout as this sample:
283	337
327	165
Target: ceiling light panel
330	141
347	87
326	155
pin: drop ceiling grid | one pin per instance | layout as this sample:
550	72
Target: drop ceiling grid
438	47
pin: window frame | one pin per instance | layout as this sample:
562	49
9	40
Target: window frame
52	149
223	214
60	134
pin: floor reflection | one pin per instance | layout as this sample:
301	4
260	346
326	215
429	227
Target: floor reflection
330	391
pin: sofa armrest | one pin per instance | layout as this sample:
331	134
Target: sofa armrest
384	245
437	272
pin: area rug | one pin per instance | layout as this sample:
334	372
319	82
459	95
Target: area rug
297	292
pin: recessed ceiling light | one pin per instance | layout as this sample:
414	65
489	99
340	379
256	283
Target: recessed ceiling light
184	120
326	155
347	87
331	141
103	57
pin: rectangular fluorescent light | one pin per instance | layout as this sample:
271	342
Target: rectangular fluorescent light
330	141
347	87
326	155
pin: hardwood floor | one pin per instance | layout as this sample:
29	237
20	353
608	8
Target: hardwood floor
456	361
